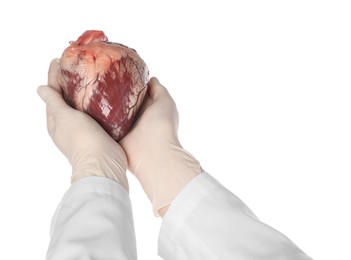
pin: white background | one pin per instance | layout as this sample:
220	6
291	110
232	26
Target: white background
263	90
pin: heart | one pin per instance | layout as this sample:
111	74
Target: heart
106	80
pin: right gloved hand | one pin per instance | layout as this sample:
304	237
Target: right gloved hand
154	153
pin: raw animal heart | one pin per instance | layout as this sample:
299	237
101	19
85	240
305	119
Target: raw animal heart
106	80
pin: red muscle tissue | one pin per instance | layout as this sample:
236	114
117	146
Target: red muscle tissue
106	80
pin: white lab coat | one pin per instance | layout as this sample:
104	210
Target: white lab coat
205	221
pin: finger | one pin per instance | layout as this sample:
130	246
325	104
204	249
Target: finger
52	98
53	75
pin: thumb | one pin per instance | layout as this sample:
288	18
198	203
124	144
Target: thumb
52	98
156	89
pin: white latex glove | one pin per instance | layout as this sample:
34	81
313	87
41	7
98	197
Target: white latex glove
154	153
89	149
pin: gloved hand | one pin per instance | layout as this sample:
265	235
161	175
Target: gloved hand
89	149
154	153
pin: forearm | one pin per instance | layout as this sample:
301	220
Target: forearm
93	221
206	221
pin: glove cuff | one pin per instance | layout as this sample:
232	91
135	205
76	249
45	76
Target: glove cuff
163	171
111	168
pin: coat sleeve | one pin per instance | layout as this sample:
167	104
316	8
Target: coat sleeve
93	221
206	221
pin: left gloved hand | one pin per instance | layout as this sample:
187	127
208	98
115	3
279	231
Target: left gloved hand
89	149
